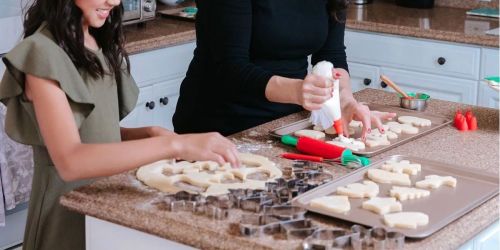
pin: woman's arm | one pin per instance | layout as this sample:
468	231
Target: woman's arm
76	160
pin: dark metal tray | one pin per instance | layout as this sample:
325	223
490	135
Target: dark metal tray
443	206
437	123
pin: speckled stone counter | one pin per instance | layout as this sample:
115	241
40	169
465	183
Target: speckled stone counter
124	200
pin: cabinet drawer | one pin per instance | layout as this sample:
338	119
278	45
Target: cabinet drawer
166	95
489	63
163	64
414	55
438	87
363	76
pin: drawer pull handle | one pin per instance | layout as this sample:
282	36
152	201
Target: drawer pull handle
441	61
150	105
164	100
383	85
367	81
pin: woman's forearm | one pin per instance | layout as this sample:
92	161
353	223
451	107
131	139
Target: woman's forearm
284	90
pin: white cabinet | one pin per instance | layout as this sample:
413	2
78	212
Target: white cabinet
2	68
158	74
486	240
444	70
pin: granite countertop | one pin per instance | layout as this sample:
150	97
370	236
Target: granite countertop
124	200
383	16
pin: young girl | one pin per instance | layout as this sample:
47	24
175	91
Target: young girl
66	87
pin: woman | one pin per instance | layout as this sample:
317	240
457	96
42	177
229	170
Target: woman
66	87
250	64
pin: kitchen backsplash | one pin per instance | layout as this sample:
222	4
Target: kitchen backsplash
466	4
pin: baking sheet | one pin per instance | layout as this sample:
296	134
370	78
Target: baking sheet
437	123
176	14
443	205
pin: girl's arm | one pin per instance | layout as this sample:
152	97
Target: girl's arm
128	134
76	160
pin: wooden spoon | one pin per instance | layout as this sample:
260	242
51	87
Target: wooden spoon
394	86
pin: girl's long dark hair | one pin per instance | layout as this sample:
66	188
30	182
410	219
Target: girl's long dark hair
338	8
64	20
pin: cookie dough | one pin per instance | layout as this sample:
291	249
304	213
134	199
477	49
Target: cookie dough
406	220
416	121
310	133
399	128
366	189
206	177
383	176
408	193
331	130
332	203
435	181
382	205
376	139
350	143
403	166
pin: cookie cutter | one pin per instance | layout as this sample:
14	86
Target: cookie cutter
377	238
297	229
256	225
285	212
327	239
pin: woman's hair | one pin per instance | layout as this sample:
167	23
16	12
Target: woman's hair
337	8
64	21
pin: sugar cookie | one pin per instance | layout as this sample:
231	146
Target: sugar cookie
403	166
382	205
416	121
404	128
314	134
408	193
359	190
383	176
374	140
350	143
435	181
332	203
406	220
331	130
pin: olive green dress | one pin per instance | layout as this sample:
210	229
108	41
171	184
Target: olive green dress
97	106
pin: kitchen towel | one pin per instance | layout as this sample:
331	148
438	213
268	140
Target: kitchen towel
16	171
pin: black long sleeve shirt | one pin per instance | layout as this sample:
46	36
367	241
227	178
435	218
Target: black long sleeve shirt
241	44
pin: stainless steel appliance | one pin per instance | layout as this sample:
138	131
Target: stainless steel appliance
360	2
136	11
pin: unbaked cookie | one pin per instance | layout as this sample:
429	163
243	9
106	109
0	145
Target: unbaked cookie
406	220
403	166
404	128
314	134
416	121
435	181
408	193
359	190
383	176
376	139
331	130
350	143
382	205
332	203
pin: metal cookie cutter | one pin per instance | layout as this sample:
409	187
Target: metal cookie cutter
255	225
255	203
327	239
285	212
377	238
293	229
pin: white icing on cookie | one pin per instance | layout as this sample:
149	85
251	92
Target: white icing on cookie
408	193
406	220
435	181
404	128
382	205
350	143
310	133
403	166
416	121
383	176
332	203
359	190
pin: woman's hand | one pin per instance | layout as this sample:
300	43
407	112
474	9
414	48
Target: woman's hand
315	91
205	147
361	112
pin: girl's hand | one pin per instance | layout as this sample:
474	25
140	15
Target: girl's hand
315	91
361	112
205	147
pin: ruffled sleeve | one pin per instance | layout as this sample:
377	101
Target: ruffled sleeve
128	92
38	55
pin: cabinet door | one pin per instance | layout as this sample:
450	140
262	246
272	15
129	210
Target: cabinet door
142	115
363	76
490	63
438	87
166	95
487	97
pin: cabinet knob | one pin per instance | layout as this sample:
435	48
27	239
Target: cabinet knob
441	60
150	105
164	100
367	81
383	85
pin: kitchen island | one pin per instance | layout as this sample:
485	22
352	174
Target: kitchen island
123	200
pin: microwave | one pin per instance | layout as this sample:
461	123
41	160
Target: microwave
137	11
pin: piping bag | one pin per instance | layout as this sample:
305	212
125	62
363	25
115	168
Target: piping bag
329	114
320	148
